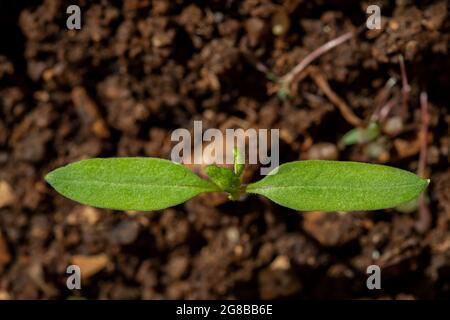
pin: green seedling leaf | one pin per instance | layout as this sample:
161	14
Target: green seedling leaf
361	135
411	206
224	178
271	76
239	162
141	184
283	92
316	185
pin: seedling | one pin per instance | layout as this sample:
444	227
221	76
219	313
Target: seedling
146	184
361	135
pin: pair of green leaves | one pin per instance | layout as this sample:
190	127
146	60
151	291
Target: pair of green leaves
146	184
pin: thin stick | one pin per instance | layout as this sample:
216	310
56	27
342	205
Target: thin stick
405	86
381	100
255	63
423	135
386	109
287	78
424	222
345	110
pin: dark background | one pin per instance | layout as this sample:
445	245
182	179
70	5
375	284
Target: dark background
139	69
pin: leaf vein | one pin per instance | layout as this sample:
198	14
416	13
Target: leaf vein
131	184
333	187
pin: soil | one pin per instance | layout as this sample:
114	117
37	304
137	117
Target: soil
138	69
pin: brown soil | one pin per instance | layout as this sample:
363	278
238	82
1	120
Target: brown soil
139	69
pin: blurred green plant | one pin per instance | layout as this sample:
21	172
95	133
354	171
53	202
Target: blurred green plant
361	135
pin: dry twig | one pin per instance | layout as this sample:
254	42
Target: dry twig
423	135
345	110
290	76
405	86
257	64
424	222
386	109
381	100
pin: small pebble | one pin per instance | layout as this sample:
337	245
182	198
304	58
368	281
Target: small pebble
126	232
393	126
280	22
323	151
7	196
90	265
280	263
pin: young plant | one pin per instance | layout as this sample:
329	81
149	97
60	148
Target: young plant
146	184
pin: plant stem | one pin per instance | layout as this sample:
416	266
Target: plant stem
424	222
405	86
